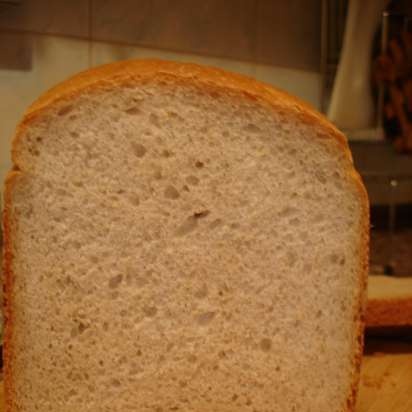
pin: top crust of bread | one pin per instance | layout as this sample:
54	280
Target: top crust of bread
208	81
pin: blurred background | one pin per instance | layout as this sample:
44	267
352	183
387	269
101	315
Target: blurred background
350	59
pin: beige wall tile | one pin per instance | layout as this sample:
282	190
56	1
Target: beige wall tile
15	51
288	33
212	27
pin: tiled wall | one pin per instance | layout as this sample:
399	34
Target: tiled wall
278	33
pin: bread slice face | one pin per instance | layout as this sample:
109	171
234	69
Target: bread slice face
181	238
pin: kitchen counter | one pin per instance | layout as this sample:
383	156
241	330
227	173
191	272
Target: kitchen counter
386	377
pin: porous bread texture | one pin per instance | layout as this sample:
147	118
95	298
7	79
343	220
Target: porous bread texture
174	249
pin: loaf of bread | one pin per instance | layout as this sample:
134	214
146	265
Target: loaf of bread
179	238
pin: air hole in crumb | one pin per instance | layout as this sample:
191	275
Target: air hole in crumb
252	128
174	115
72	393
116	383
154	119
150	311
199	164
318	313
82	327
192	180
133	110
225	133
74	134
138	149
34	152
202	292
94	259
203	319
78	330
318	217
134	199
265	344
288	212
186	227
64	110
115	281
334	258
171	193
342	261
291	258
157	173
307	268
202	214
39	139
135	369
294	222
320	176
77	245
215	224
166	153
192	358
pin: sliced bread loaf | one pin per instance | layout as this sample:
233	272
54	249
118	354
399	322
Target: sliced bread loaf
389	305
179	238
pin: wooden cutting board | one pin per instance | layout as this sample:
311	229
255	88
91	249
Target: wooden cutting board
386	377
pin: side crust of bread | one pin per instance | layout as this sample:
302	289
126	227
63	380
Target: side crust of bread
208	81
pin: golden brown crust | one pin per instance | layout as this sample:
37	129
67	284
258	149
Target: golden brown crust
210	81
363	249
8	281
